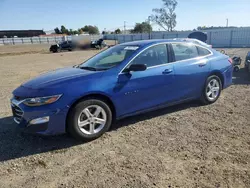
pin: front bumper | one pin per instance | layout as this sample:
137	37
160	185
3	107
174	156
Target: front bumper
29	118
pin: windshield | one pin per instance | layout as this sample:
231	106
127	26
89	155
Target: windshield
110	57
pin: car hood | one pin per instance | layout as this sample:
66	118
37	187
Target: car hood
56	76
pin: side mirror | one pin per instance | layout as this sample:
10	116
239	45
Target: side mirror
248	61
137	67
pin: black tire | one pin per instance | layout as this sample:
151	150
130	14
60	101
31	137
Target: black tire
55	50
204	98
72	121
236	69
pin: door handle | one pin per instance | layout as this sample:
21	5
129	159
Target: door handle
202	64
167	71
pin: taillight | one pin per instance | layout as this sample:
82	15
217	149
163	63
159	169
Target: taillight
230	60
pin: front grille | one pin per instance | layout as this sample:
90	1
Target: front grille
17	113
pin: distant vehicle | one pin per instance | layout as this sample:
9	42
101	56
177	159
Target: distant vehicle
66	45
98	44
236	63
247	62
124	80
196	41
198	35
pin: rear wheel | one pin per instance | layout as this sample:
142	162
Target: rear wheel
212	90
89	119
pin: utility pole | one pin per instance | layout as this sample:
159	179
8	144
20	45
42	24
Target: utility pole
227	23
149	22
124	27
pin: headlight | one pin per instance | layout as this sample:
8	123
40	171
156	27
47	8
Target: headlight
38	101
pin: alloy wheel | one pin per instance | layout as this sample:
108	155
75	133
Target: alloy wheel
213	89
92	119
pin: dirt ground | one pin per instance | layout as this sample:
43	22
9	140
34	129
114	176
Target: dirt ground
183	146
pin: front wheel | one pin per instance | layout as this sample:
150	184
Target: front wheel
212	90
89	119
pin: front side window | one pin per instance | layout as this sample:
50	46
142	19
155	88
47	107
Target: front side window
156	55
184	51
109	58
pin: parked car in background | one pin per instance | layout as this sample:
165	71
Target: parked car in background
66	45
124	80
196	41
98	44
247	62
201	36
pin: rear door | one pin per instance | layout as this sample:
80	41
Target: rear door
191	69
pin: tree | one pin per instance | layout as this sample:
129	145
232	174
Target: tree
90	29
165	17
118	31
71	32
80	31
64	30
143	27
57	31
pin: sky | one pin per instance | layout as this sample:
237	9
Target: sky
111	14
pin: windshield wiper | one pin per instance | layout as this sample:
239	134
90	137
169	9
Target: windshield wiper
89	68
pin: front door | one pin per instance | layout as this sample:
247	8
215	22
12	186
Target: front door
138	91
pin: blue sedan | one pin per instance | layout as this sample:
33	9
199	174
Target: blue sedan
125	80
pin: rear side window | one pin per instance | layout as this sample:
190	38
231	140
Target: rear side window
183	51
203	51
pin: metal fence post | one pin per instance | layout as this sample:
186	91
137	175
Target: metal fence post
210	37
231	38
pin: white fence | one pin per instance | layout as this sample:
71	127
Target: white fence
238	37
46	40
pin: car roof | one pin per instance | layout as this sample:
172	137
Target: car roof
142	43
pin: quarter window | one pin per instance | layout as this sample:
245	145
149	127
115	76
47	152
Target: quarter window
203	51
153	56
184	51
